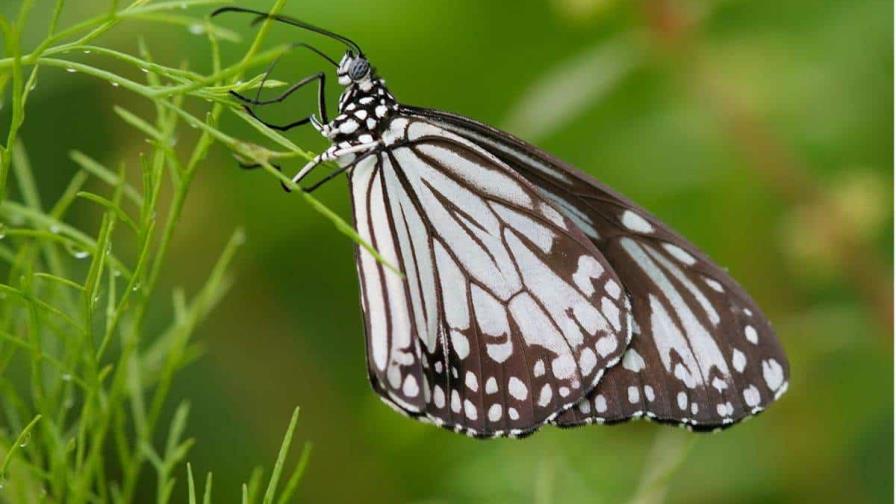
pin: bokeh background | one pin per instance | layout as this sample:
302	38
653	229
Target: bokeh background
760	129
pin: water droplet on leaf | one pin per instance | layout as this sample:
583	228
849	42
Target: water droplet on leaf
76	252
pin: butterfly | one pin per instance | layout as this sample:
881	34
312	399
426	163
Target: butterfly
529	293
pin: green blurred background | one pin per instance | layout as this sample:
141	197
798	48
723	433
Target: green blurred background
760	129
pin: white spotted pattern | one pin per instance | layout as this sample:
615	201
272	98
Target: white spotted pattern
635	222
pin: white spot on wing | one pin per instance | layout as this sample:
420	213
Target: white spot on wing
773	374
600	403
517	388
563	366
491	385
470	410
632	360
438	397
471	381
606	345
682	399
716	286
680	254
751	396
719	384
589	268
410	388
538	368
612	289
587	361
635	222
495	412
544	397
751	335
738	360
585	407
461	344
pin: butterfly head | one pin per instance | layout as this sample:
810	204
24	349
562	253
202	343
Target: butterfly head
354	69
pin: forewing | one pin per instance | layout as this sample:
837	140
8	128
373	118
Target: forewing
703	354
507	314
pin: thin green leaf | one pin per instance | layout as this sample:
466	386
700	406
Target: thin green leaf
281	459
16	445
293	483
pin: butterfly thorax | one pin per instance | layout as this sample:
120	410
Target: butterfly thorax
365	108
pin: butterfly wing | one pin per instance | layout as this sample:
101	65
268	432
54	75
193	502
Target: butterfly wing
506	315
703	354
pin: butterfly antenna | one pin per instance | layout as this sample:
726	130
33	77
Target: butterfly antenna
316	51
293	22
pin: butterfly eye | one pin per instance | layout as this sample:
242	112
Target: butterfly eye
358	69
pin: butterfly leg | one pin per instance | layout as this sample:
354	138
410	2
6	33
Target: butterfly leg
255	166
339	171
250	103
333	153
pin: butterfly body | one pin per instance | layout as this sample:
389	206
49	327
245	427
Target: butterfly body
365	106
529	292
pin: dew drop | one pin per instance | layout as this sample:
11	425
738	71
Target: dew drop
25	440
66	377
87	51
70	70
76	252
197	29
115	84
54	229
2	231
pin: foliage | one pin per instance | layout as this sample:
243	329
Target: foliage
85	379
